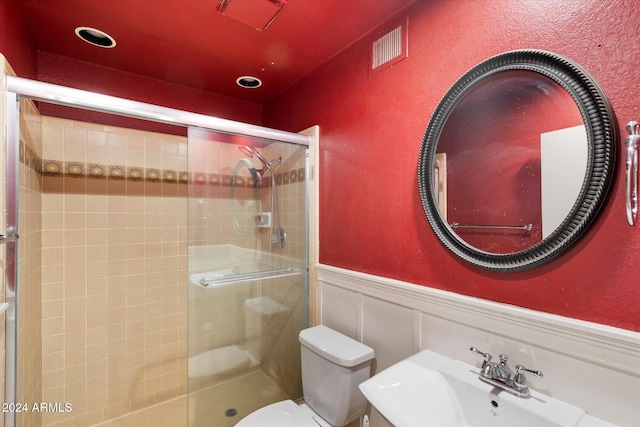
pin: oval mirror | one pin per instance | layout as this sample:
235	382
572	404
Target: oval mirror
517	160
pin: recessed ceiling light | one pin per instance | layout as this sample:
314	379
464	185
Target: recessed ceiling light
249	82
95	37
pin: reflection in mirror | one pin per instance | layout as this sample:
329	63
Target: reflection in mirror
563	163
493	142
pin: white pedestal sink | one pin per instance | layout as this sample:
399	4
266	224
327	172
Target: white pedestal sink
428	389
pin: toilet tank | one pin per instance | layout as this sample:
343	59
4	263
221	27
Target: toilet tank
333	365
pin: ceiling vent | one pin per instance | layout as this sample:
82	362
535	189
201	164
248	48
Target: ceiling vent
258	14
389	47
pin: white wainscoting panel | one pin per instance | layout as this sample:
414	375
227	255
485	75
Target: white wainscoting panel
387	328
595	367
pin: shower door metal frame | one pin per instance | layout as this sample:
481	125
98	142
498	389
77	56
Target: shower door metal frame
11	253
61	95
70	97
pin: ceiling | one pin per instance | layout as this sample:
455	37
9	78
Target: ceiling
189	42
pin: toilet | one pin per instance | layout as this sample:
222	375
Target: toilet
333	365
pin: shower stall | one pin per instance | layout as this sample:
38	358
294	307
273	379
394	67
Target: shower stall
247	274
163	272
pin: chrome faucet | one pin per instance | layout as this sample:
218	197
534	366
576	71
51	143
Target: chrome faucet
502	372
501	376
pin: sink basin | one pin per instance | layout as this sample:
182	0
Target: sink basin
428	389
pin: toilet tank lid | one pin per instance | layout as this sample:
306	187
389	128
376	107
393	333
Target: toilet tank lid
334	346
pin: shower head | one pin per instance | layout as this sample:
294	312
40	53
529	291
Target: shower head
256	175
252	152
249	151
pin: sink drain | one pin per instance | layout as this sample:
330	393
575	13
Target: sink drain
231	412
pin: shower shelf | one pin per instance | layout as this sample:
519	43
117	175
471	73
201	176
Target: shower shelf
230	279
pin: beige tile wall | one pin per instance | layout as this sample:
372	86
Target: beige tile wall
216	317
29	324
114	270
280	348
212	210
28	388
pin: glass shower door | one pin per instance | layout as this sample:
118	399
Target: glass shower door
248	281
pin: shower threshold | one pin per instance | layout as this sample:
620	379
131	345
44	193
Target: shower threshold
171	413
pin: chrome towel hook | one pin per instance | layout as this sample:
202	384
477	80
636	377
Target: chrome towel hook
633	127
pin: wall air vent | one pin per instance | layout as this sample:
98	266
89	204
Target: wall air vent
389	47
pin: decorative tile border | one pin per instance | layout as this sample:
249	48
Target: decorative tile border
99	171
29	158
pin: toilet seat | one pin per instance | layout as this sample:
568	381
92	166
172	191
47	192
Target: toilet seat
283	414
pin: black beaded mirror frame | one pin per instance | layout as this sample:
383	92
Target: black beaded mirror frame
602	137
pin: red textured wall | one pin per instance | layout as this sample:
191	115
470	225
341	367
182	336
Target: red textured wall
15	42
371	128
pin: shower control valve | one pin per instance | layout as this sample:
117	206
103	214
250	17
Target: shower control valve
263	220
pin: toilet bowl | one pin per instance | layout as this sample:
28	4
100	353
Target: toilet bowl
286	413
333	365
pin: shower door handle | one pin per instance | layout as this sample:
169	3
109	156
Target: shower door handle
8	238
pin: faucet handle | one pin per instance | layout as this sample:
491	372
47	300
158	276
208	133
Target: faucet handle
487	356
521	370
487	369
520	380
